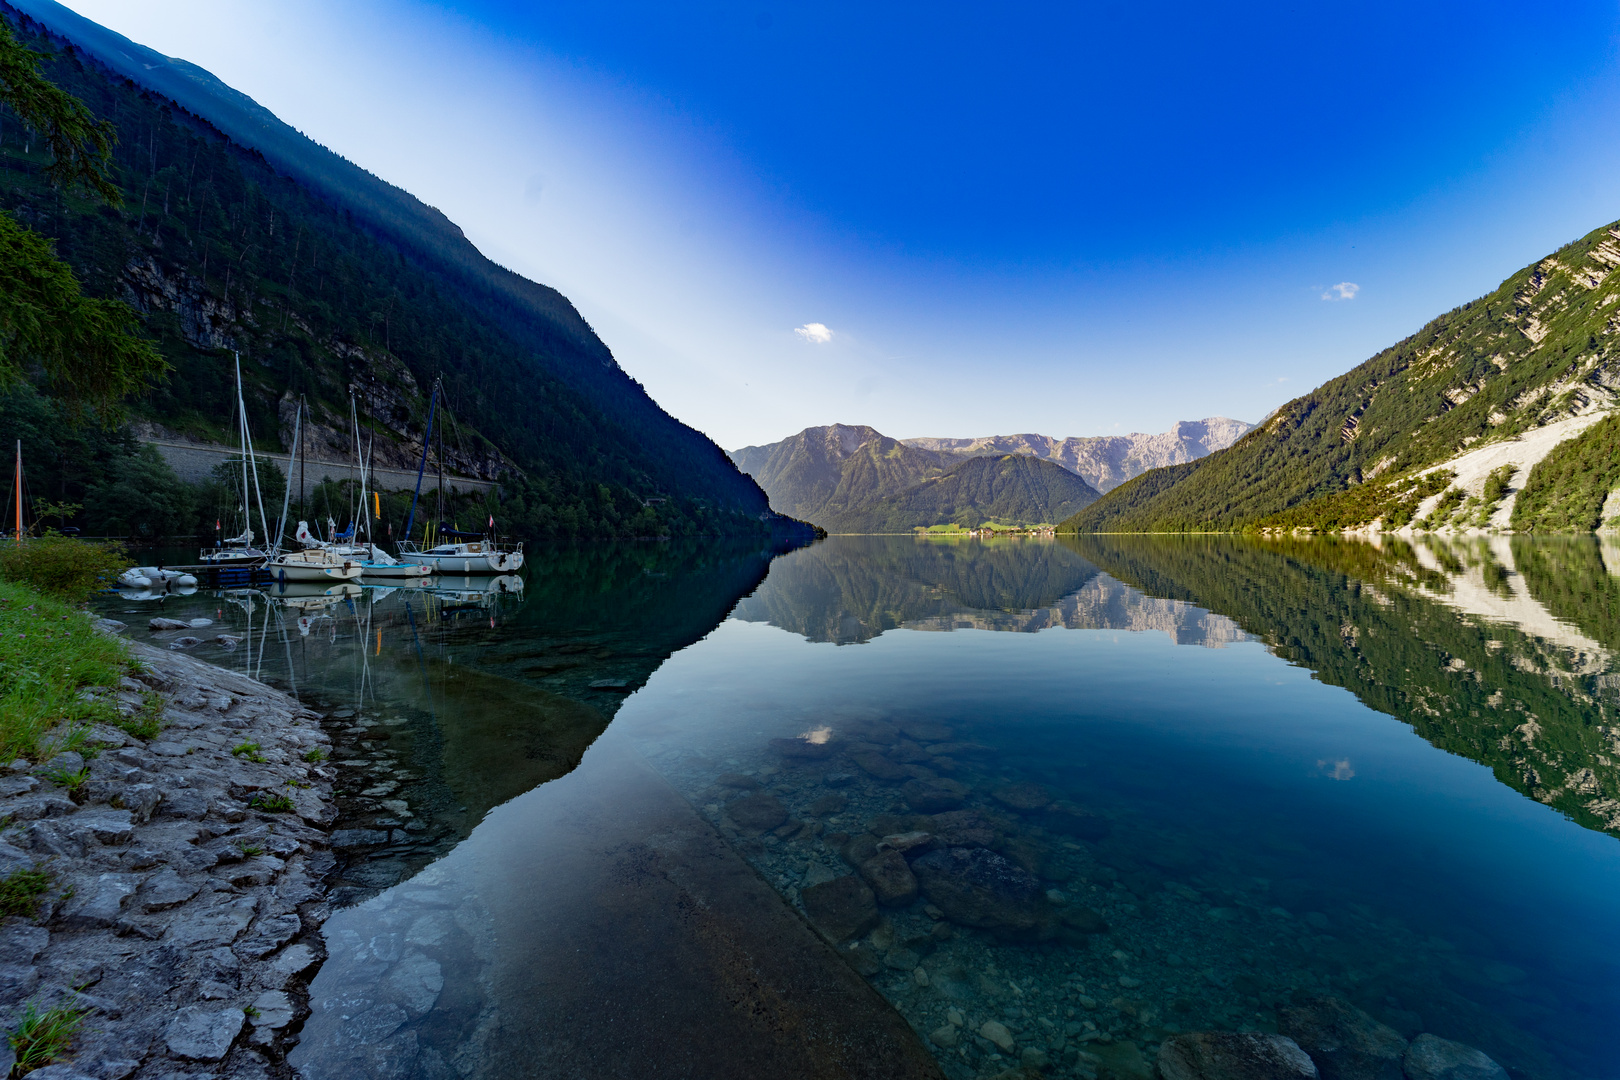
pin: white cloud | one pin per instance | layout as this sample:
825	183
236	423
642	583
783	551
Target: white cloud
815	333
1344	290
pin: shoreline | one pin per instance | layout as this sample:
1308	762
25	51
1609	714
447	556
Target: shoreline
186	889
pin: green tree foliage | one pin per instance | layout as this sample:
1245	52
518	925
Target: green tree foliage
87	347
1527	354
1566	489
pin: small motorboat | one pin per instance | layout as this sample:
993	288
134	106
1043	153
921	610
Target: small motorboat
155	579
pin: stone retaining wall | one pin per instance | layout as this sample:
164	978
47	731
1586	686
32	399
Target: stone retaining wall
195	462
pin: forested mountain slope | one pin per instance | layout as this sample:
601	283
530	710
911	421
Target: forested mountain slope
1541	348
1014	490
824	472
327	281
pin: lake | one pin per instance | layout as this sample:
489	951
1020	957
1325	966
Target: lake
593	819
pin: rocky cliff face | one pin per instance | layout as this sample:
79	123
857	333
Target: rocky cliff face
1105	461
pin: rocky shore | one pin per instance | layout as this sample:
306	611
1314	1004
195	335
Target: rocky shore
184	899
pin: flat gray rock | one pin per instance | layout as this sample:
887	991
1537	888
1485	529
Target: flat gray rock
21	943
97	902
203	1033
1432	1058
165	889
1225	1055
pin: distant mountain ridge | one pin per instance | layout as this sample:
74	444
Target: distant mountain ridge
1107	461
854	478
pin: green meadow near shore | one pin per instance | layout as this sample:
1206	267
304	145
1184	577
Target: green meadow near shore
52	660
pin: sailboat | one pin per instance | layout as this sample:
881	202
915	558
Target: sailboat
376	563
465	553
318	563
238	552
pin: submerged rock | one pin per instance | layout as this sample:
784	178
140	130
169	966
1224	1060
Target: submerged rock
1345	1042
891	879
963	828
1433	1058
977	887
1024	797
933	796
160	624
841	908
831	803
997	1032
1225	1055
756	813
877	766
1083	920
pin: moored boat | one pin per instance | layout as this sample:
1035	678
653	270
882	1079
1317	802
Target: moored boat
485	555
314	564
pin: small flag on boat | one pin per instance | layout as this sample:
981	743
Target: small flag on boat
492	521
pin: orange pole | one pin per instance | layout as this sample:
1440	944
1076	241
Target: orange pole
19	491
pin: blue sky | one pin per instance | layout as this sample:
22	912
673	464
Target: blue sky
1071	219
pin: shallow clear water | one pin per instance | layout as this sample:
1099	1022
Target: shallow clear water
1241	772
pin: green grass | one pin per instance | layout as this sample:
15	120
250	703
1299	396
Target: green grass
73	781
249	750
20	891
148	719
315	756
48	655
275	804
42	1037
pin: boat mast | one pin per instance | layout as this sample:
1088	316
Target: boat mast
440	527
247	443
354	524
433	404
286	495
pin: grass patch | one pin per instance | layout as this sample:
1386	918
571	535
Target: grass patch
315	756
73	781
148	719
275	804
20	891
48	654
43	1037
249	750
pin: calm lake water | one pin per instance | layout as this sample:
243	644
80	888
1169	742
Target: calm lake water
1230	773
